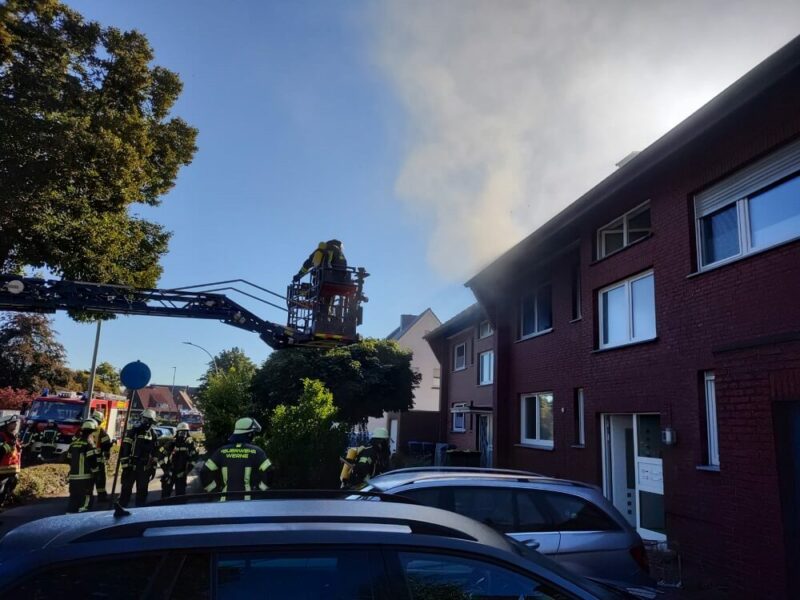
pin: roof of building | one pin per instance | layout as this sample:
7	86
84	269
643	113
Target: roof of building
469	316
159	398
740	93
407	322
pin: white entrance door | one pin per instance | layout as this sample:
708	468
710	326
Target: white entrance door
633	471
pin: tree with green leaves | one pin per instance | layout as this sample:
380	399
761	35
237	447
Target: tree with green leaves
107	376
226	397
366	379
235	358
306	440
30	355
86	135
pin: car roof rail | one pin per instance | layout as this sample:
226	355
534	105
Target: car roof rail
448	469
280	495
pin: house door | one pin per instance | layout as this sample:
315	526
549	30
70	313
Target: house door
393	436
485	439
633	471
786	417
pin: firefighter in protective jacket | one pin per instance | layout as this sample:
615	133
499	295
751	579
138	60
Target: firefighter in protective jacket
238	466
103	443
328	255
369	461
10	456
83	468
177	461
137	457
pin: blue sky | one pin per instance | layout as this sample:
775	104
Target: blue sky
428	135
299	141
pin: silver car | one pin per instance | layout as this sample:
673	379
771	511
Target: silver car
572	522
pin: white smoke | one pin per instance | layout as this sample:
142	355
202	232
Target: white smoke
518	107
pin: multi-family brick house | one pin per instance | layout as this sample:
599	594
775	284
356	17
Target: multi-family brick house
464	346
647	338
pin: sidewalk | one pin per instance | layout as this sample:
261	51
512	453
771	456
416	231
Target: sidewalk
51	507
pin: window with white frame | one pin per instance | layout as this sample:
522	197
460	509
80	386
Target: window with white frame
485	330
712	434
580	422
630	227
459	418
755	209
486	368
437	378
460	357
627	311
537	419
536	312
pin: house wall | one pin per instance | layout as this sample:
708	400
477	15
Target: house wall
426	396
728	524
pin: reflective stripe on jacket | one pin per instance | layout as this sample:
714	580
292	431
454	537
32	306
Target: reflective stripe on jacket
238	467
82	457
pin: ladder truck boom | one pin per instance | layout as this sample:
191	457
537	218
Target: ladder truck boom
28	294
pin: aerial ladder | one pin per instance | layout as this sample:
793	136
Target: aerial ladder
323	309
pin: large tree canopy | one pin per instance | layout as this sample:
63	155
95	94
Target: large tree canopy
30	355
366	379
86	134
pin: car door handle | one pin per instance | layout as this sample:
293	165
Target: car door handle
532	544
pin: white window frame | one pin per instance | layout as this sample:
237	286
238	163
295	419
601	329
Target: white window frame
738	189
626	230
459	417
581	417
455	357
627	283
489	330
482	380
537	441
712	430
535	294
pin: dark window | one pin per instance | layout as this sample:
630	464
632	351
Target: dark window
118	578
572	513
444	577
194	579
426	496
630	227
300	575
576	292
579	417
491	506
531	515
720	235
536	312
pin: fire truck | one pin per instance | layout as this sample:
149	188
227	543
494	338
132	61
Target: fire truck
51	422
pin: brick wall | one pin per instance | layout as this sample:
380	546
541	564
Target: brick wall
719	519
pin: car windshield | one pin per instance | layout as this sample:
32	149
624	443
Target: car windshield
47	410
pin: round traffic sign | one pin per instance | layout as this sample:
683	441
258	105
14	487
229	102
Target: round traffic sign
135	375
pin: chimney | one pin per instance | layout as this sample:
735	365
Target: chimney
406	320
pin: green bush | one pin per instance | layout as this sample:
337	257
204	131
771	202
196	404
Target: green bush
41	481
305	441
226	398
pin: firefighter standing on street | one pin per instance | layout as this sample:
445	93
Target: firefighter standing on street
177	461
369	461
137	457
238	466
83	468
10	456
102	442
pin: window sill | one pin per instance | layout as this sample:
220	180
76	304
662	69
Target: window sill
577	320
708	468
578	446
459	370
628	345
486	384
530	446
458	431
615	252
534	335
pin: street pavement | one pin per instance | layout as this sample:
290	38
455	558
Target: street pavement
50	507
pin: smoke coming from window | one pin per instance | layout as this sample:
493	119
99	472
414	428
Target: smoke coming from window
517	108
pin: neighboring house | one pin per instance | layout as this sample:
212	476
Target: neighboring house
648	337
464	346
168	405
421	423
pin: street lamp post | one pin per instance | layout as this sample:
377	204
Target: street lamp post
211	356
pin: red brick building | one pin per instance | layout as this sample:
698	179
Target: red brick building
647	338
464	346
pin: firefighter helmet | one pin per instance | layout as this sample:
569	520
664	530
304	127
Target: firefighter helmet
89	425
183	427
381	433
150	414
98	416
246	425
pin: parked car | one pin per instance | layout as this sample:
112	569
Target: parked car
569	521
164	430
298	549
